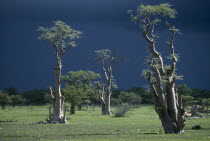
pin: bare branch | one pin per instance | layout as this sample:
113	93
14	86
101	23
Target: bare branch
174	58
8	120
64	50
104	70
101	92
51	92
160	60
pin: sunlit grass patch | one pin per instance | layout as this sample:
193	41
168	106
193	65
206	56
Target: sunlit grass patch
141	124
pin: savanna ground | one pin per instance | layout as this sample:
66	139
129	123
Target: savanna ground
91	125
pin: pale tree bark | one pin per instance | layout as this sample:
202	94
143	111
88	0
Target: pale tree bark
105	91
108	90
58	115
101	96
167	104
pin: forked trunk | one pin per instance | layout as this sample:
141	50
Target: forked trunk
105	100
172	119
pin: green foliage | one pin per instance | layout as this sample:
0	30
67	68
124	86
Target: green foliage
178	77
154	10
35	96
114	83
91	125
129	97
103	54
106	56
16	100
147	73
186	100
183	89
200	93
81	78
80	85
205	102
172	56
47	98
135	92
11	91
121	110
146	98
4	99
73	95
60	34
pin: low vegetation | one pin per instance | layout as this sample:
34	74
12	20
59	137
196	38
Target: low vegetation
140	124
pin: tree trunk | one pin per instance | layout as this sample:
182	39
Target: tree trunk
72	109
58	108
107	105
172	119
108	92
103	108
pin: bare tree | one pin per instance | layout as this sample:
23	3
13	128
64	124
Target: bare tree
106	59
161	77
62	38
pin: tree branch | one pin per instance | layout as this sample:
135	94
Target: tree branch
104	70
174	58
160	60
64	50
152	43
51	92
101	92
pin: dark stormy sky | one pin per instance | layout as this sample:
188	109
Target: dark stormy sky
26	63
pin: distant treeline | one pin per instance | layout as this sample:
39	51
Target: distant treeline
134	95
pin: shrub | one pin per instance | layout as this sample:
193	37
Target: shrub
121	110
4	99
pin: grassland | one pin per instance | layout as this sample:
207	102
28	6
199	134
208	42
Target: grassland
91	125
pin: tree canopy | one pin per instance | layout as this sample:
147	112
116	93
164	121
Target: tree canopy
80	86
61	36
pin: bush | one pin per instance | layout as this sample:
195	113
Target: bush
121	110
16	100
4	99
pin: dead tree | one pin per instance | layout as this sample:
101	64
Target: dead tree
106	59
161	78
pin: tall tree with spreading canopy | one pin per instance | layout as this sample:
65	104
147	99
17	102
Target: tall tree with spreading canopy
161	77
106	59
62	38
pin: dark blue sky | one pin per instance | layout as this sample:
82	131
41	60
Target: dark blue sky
26	63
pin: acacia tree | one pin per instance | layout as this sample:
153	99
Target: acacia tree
80	86
161	77
106	59
62	38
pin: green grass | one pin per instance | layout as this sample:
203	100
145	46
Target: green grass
91	125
